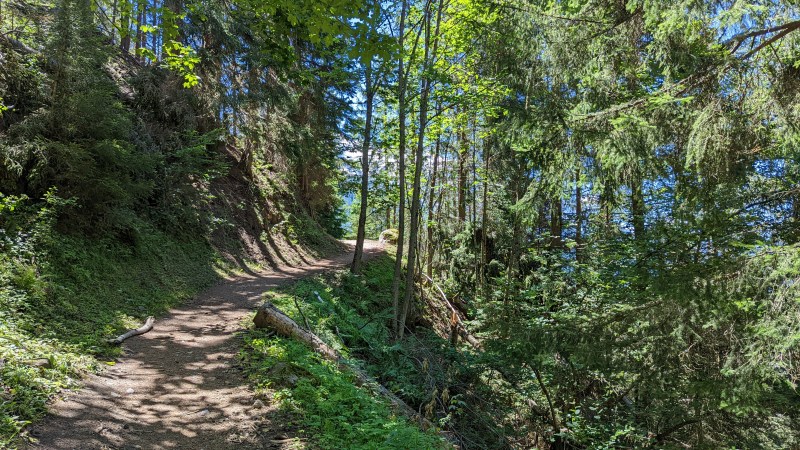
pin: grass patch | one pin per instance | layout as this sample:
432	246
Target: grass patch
336	412
353	315
454	388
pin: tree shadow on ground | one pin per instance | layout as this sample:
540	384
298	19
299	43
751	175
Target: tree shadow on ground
180	385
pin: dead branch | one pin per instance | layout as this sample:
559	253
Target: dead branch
148	325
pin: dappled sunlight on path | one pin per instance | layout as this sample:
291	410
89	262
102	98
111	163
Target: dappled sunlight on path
178	387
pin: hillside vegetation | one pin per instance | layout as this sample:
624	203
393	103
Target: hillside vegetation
121	196
595	207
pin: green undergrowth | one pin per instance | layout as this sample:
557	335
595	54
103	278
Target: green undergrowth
62	297
64	293
333	412
352	314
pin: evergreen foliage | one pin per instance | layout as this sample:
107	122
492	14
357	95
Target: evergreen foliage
600	195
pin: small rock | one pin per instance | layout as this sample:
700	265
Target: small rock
129	391
203	412
41	363
258	404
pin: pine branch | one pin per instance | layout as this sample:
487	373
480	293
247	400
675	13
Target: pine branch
694	80
740	38
788	28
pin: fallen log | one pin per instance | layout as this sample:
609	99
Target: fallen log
270	316
148	325
461	330
17	45
456	319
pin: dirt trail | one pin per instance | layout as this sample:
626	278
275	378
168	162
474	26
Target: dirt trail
177	387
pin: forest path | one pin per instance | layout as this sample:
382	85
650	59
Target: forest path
178	386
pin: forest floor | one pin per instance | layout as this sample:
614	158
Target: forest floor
180	385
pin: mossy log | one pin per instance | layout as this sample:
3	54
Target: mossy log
270	316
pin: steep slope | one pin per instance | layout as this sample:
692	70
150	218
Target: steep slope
123	194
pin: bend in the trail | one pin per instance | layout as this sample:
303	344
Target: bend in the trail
178	387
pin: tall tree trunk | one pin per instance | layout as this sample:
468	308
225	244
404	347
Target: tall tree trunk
606	199
140	22
517	242
485	216
125	26
637	209
473	189
578	215
154	37
362	216
440	201
418	162
173	28
114	20
401	161
462	177
388	187
556	223
432	199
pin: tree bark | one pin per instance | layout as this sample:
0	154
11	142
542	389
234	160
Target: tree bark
485	218
637	210
125	26
17	45
388	187
578	215
462	177
362	216
473	186
458	327
154	37
431	201
140	22
556	223
418	162
114	27
173	29
401	213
